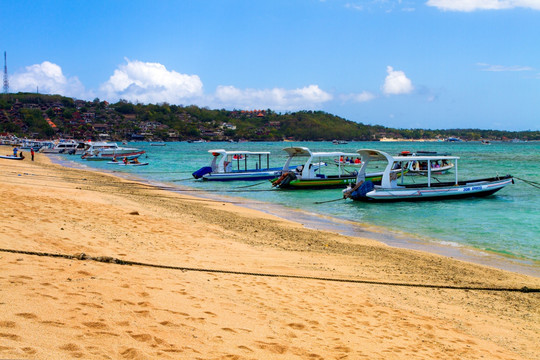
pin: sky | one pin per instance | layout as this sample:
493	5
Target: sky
431	64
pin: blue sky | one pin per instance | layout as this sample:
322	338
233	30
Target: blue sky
434	64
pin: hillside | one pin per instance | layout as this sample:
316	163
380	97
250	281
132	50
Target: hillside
54	116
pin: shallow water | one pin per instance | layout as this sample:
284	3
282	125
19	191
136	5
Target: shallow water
506	224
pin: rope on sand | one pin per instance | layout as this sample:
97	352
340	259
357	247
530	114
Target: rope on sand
111	260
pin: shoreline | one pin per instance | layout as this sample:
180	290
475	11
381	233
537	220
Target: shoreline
54	307
328	223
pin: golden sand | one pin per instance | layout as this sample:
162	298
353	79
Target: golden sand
60	308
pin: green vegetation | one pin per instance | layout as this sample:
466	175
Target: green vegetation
48	116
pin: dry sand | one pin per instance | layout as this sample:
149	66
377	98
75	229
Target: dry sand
60	308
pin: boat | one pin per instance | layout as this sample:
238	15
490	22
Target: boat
238	165
12	157
339	142
158	144
30	145
389	190
130	163
108	151
311	175
64	147
438	167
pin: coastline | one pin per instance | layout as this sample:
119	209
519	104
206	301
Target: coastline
344	227
91	309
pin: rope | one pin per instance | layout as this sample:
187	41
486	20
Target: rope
111	260
327	201
262	182
529	182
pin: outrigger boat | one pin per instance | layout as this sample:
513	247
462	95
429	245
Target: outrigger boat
390	190
311	176
238	165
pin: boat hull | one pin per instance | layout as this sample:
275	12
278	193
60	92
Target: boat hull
328	182
439	191
111	156
242	176
11	157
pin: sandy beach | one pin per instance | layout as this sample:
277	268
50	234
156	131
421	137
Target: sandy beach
229	282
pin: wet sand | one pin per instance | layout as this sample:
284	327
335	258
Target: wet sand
217	306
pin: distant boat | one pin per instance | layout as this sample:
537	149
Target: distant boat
109	151
158	144
416	167
339	142
64	147
453	139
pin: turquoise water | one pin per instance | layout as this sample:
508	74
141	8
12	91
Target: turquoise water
506	224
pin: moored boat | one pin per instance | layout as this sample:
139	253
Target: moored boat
109	151
389	190
315	172
64	147
238	165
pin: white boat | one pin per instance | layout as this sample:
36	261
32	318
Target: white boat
390	190
315	174
438	167
64	147
109	151
238	165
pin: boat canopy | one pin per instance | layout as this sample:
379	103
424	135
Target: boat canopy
314	159
223	160
368	155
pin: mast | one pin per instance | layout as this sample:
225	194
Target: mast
6	81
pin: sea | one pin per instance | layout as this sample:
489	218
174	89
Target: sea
501	230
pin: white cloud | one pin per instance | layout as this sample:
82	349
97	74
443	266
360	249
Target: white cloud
47	78
308	97
396	83
500	68
472	5
354	6
364	96
147	82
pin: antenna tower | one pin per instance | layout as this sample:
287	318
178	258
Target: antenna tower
6	81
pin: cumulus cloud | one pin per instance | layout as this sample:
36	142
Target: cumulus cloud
396	82
148	82
47	78
308	97
472	5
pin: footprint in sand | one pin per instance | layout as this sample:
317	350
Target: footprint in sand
10	336
95	325
27	315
